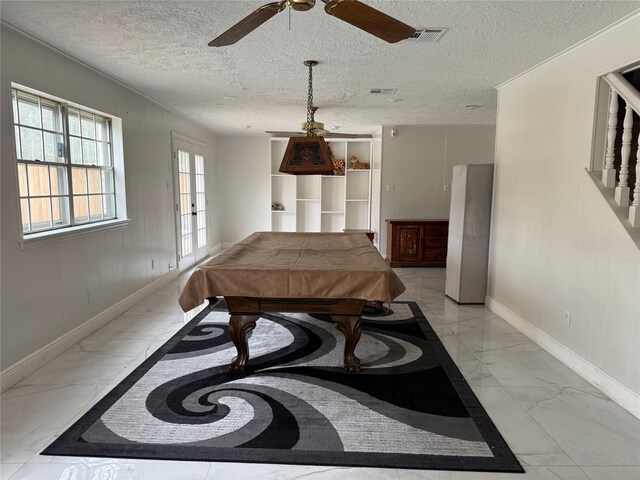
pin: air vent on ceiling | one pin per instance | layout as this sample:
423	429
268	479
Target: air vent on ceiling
431	35
382	91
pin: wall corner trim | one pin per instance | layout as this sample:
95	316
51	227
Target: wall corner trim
616	391
25	367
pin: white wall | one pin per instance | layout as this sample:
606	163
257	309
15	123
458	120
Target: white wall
245	189
419	163
44	289
556	245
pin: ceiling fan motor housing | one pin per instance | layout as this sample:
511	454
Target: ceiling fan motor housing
310	126
301	5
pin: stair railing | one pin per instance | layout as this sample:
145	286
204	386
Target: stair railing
620	87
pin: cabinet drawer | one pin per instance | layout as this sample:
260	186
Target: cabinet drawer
437	229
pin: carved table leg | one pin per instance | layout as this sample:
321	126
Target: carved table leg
239	327
349	325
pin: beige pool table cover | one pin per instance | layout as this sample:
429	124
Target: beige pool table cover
295	265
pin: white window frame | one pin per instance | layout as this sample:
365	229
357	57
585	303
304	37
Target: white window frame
55	234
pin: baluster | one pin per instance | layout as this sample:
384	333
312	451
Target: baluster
622	190
634	210
609	173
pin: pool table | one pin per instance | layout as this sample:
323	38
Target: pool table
326	273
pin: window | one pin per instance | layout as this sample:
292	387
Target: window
65	163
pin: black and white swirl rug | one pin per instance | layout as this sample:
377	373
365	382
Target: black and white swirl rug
409	407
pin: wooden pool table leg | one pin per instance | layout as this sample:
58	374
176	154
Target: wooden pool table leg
239	327
349	325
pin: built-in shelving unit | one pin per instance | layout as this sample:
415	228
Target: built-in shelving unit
323	203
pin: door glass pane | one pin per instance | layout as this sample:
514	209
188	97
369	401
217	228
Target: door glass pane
185	204
201	203
79	180
187	247
199	164
31	144
81	208
29	110
184	191
60	210
58	178
40	213
38	180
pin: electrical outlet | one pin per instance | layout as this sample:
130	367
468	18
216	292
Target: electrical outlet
153	264
446	187
171	267
567	318
391	188
90	296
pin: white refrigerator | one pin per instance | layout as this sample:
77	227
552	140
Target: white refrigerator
469	224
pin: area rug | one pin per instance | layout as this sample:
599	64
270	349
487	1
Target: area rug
409	407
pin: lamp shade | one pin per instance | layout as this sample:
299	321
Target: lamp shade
307	156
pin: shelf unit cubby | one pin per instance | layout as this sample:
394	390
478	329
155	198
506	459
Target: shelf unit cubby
323	203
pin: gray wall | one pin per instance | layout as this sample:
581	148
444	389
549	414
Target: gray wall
245	189
419	163
44	289
555	243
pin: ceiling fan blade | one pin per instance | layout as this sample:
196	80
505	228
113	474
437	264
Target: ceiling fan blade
248	24
286	134
326	134
369	19
346	135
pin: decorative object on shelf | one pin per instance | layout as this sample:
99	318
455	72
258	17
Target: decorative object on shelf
338	166
277	207
356	164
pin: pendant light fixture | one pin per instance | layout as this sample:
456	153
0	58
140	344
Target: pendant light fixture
308	155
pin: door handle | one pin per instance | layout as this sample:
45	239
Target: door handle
194	213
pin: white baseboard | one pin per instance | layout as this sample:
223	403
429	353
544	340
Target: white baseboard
25	367
616	391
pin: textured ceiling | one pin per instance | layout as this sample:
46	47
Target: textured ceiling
160	48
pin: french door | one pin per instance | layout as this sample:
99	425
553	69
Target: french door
191	201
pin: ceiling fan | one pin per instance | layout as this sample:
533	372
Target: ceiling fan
353	12
311	128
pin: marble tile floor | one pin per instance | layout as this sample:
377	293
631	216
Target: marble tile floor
558	425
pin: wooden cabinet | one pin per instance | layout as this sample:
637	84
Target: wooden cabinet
417	243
